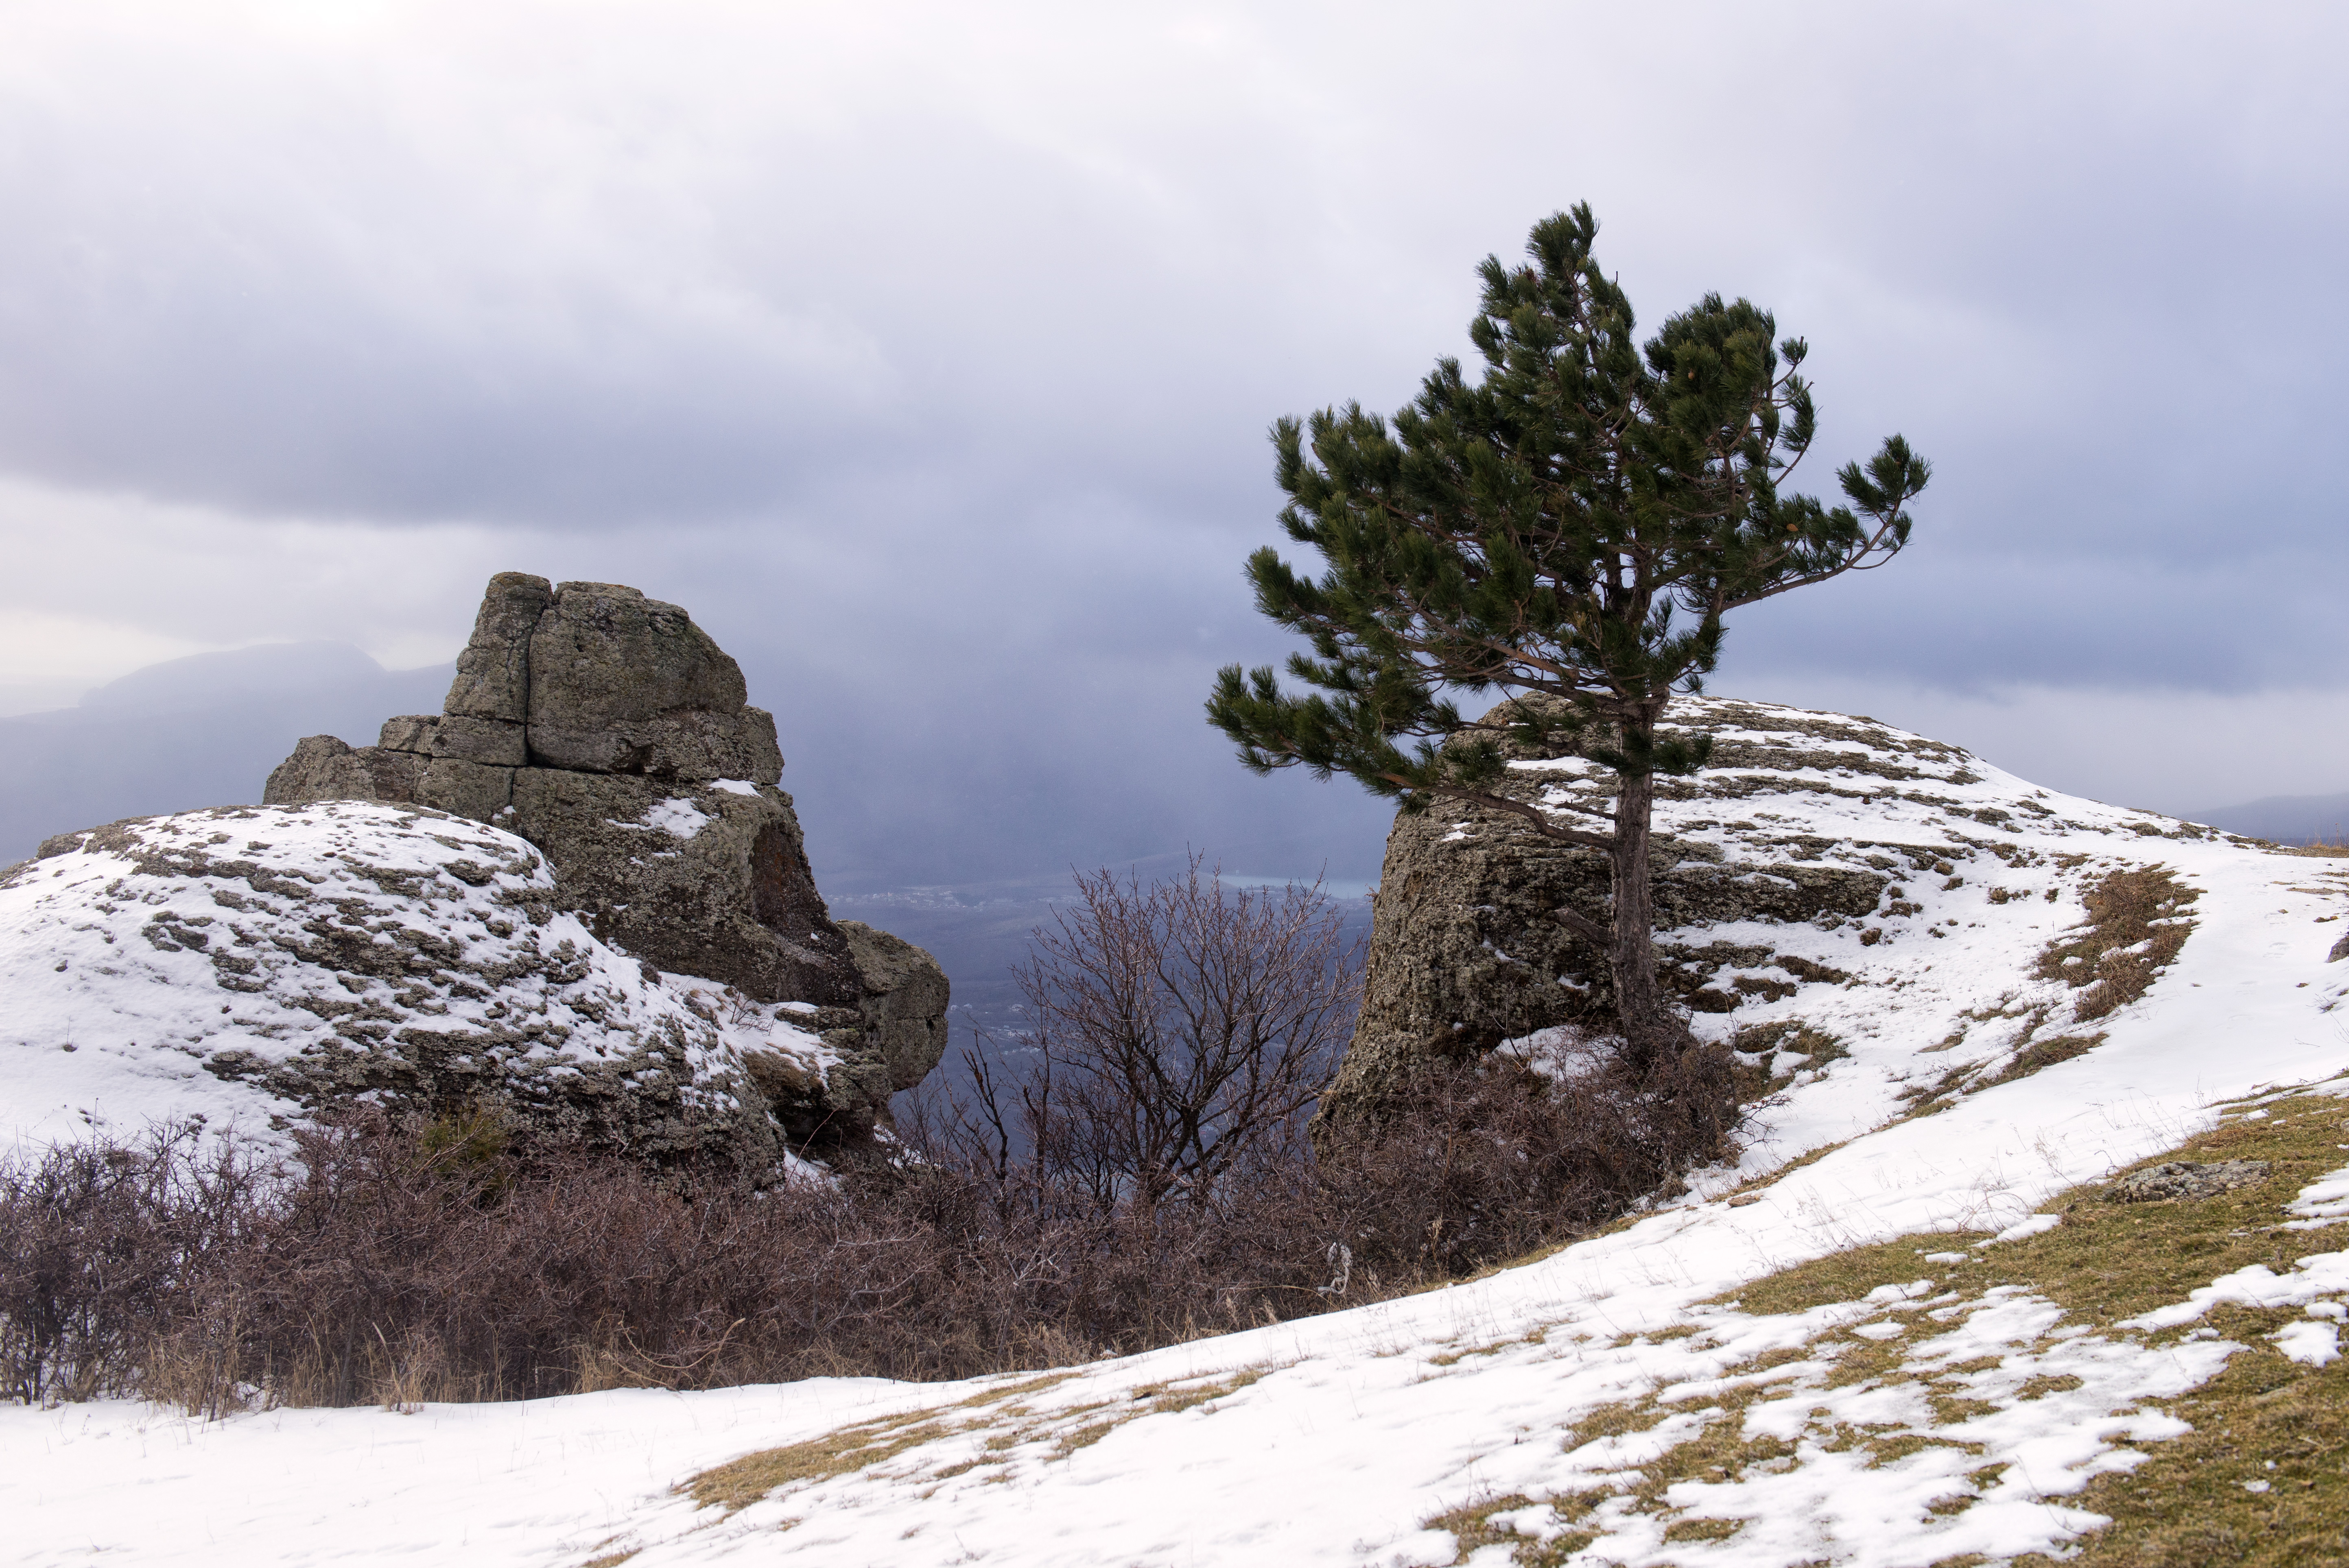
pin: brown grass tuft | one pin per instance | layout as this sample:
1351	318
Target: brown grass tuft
2137	924
736	1485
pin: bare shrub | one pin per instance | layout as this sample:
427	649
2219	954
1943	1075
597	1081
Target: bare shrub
1495	1159
1178	1032
99	1243
378	1268
1146	1179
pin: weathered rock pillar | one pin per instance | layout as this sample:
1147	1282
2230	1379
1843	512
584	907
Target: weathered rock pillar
615	735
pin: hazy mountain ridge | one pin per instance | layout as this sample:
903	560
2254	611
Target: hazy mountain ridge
2286	818
190	732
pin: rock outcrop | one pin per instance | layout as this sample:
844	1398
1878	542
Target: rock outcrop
254	966
613	734
2175	1178
1801	819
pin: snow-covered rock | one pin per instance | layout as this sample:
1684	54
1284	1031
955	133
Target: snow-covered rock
254	966
1813	855
616	736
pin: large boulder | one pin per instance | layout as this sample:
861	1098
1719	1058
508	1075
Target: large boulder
613	734
905	1001
1465	951
623	684
706	878
255	966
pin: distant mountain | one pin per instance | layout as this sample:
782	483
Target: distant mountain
2286	818
198	731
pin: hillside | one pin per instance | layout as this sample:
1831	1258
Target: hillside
1903	1328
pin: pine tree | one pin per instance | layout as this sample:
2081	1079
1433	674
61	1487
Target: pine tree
1575	522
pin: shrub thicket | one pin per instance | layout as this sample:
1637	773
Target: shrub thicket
1086	1206
376	1267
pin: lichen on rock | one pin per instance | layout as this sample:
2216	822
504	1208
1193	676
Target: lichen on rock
257	966
610	731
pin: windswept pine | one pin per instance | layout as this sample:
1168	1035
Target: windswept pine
1572	525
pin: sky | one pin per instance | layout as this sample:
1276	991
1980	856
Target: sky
926	354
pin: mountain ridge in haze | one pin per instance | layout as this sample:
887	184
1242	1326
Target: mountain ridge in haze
2286	818
202	730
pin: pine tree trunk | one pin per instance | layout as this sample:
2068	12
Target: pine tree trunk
1652	1029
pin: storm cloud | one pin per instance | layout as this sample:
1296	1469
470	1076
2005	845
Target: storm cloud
926	353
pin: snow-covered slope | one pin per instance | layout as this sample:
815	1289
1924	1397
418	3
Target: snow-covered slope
1974	1080
1983	943
251	964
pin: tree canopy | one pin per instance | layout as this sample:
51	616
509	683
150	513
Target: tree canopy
1575	521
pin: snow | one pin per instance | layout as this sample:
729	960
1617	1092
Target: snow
678	817
538	1481
1339	1439
2036	1225
2320	1204
2311	1280
745	1024
2313	1342
2050	1447
164	970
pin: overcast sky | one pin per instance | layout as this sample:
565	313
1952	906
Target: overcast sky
926	353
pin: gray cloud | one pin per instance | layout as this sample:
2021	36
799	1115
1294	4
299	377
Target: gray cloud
925	351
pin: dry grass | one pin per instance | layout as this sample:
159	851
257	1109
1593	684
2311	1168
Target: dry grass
1189	1393
1157	1399
1472	1526
2043	1054
1754	1049
1004	1430
737	1484
2264	1419
2112	1261
2137	924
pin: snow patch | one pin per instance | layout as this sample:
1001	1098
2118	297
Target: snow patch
2314	1343
677	817
2324	1201
2023	1230
171	967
